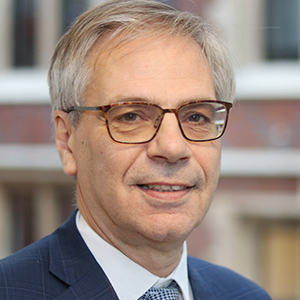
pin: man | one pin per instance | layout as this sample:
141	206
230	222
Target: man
141	95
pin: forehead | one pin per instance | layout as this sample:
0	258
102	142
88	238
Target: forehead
110	49
149	66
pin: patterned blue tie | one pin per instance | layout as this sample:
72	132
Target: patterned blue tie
169	293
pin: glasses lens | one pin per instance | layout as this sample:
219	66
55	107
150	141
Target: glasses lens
133	123
203	121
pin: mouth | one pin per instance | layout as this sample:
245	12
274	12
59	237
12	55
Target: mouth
164	187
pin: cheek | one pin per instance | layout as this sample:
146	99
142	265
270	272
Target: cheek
90	155
209	159
110	160
216	160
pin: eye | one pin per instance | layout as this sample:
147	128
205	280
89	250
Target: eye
196	118
131	116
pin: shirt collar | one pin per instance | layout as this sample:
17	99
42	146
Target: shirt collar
129	280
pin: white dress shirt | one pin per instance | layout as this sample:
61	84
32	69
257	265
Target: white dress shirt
129	280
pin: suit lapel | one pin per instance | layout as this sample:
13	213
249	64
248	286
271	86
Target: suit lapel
93	285
199	287
72	262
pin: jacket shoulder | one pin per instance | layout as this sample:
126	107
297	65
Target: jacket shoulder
25	274
223	283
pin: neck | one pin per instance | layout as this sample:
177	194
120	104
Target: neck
159	258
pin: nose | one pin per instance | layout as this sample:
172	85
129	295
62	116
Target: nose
169	144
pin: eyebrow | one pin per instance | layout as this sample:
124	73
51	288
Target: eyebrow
147	100
131	99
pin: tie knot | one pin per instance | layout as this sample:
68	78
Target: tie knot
169	293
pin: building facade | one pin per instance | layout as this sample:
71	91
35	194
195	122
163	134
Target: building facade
253	226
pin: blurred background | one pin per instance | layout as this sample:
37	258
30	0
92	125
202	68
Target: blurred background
253	226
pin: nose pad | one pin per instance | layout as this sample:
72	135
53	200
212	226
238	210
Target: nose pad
157	122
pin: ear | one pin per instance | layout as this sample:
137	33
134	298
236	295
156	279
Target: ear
64	137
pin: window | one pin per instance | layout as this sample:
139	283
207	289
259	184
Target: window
281	241
282	28
71	10
33	210
35	28
24	32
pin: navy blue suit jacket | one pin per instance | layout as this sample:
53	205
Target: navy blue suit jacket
61	267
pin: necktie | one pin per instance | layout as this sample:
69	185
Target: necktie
169	293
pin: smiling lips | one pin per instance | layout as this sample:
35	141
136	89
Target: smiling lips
164	187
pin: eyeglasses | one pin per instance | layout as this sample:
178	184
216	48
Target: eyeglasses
139	122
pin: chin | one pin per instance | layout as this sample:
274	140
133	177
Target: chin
171	229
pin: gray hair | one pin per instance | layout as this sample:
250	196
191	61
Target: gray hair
69	74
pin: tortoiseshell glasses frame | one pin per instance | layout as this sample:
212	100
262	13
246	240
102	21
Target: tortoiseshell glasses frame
138	122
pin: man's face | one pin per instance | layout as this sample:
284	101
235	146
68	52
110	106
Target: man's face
153	192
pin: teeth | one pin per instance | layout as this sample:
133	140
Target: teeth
178	188
164	188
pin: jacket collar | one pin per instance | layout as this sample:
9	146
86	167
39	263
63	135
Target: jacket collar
72	262
201	291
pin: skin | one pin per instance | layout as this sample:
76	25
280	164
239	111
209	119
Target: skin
146	225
